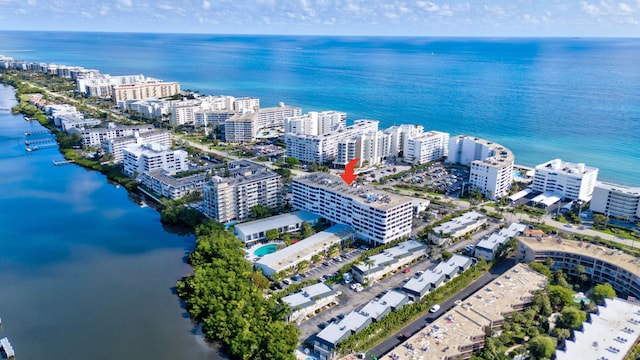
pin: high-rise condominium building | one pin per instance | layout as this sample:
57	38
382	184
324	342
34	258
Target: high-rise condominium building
375	215
249	184
491	164
571	181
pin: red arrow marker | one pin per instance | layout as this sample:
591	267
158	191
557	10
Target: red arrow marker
348	175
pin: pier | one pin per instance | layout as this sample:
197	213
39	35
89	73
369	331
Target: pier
37	133
40	147
6	347
63	162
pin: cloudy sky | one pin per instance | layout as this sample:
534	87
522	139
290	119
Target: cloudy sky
330	17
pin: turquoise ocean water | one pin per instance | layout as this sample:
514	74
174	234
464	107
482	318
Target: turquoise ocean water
577	99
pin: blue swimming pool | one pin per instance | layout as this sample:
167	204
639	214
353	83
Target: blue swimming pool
265	250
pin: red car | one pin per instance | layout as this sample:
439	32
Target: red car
406	270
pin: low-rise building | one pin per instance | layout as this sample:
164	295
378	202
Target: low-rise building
488	248
308	300
602	264
303	250
462	330
172	187
254	231
97	136
417	287
457	227
609	334
116	146
377	266
325	342
616	200
67	123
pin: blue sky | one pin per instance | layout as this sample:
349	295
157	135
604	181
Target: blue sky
331	17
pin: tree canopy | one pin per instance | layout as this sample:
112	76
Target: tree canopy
601	292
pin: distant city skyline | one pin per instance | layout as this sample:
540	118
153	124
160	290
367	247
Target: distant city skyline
586	18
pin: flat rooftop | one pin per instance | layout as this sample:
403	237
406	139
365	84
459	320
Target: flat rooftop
442	338
502	155
390	255
560	166
307	294
364	194
499	238
630	190
609	335
290	255
615	257
277	221
458	223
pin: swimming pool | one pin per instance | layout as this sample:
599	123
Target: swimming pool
265	250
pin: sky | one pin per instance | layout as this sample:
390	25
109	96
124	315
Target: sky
584	18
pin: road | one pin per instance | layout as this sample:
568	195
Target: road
397	338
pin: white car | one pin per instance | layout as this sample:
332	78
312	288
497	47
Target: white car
287	281
434	308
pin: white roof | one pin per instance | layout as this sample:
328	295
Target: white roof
610	334
451	266
275	222
497	239
292	254
390	300
334	332
391	254
520	194
460	222
307	294
423	281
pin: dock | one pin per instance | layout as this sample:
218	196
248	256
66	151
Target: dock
6	347
63	162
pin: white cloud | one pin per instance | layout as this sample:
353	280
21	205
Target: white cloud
590	8
127	3
625	8
206	5
32	2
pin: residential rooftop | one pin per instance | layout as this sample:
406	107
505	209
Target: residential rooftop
610	334
467	323
613	256
458	223
502	155
390	255
499	238
364	194
275	222
306	295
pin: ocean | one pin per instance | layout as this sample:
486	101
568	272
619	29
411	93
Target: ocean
569	98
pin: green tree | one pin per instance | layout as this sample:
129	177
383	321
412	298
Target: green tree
271	234
303	266
541	347
599	221
542	269
560	296
601	292
306	230
571	318
446	255
291	161
260	211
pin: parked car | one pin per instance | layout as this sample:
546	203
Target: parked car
406	270
323	325
337	259
419	272
326	263
296	278
434	308
287	281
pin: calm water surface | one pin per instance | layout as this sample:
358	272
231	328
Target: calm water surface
85	272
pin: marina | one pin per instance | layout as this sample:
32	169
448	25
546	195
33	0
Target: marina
62	162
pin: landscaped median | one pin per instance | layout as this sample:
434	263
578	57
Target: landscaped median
396	320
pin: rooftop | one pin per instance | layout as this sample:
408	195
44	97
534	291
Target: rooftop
457	327
275	222
609	335
615	257
631	190
307	294
499	238
458	223
290	255
391	254
161	175
502	156
558	165
337	331
363	194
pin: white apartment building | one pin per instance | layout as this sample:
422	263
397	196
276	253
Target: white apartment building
491	164
250	184
144	90
141	158
324	148
400	136
371	148
246	104
217	102
100	84
616	200
273	117
315	123
570	181
457	227
147	108
241	128
425	147
376	216
171	187
211	118
117	145
97	136
67	123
